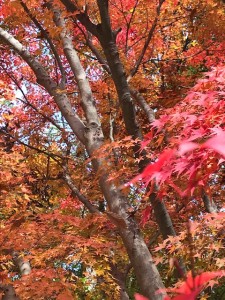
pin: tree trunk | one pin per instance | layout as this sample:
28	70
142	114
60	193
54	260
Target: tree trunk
9	292
146	272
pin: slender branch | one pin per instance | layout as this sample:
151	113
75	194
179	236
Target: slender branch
111	122
149	37
129	23
44	33
120	278
66	175
95	51
154	238
97	54
77	193
137	41
27	102
191	250
209	204
143	104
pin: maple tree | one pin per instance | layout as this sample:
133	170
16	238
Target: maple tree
111	134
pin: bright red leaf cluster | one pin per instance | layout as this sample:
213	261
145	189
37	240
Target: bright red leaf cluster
195	134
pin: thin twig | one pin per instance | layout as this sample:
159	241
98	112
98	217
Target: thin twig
53	156
149	37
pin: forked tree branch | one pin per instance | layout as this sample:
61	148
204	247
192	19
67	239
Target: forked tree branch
81	16
87	100
95	51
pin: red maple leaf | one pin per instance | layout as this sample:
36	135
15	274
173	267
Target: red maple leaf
151	170
193	285
217	143
140	297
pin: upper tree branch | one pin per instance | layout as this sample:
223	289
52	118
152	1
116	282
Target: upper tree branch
149	37
98	55
103	6
134	93
50	85
70	6
129	24
101	60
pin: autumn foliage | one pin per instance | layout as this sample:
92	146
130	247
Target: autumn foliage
112	149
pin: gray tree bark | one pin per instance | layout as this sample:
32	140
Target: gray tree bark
24	269
209	204
22	264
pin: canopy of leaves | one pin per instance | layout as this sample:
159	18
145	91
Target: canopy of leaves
53	210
